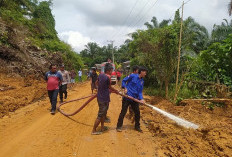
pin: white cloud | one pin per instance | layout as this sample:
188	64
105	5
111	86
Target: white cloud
81	21
75	39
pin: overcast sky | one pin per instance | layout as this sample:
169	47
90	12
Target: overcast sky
81	21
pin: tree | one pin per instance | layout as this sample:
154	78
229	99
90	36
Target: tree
221	32
214	64
45	21
92	48
159	49
195	36
155	23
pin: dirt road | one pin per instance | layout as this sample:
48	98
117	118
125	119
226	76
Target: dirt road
32	131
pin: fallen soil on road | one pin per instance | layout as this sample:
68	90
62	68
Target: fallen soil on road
32	131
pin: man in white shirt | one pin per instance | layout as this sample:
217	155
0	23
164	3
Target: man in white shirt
63	86
80	75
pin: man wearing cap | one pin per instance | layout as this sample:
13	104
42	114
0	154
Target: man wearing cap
63	86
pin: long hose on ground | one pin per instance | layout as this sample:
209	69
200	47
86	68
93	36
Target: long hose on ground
75	112
178	120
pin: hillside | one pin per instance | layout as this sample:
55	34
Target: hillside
28	45
20	56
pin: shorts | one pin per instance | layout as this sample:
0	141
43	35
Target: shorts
93	86
72	80
103	108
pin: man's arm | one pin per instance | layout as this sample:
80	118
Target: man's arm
112	89
68	76
125	80
60	78
46	77
90	76
141	94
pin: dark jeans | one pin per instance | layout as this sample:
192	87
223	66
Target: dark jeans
63	90
53	98
135	108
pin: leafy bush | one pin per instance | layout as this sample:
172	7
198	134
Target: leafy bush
154	92
178	100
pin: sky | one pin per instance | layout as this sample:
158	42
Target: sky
102	21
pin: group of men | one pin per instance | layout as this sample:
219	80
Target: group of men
57	82
132	85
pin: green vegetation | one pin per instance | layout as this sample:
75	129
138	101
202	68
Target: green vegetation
205	57
36	18
94	54
212	105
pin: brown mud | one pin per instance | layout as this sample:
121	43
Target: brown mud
32	131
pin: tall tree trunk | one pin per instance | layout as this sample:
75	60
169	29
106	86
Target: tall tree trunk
161	85
166	88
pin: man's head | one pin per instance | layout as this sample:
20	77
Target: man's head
62	67
94	70
135	69
142	72
108	68
52	68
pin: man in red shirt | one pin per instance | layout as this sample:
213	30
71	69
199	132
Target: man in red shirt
54	79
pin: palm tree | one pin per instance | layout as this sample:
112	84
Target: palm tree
221	32
195	36
91	49
155	23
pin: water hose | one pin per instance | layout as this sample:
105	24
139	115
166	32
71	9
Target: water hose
71	114
178	120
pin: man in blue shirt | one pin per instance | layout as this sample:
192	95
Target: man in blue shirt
134	86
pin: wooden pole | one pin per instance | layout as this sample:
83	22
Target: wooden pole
178	64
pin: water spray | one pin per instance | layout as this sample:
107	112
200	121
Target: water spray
179	121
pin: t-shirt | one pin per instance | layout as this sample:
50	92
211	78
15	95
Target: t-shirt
118	74
53	80
80	73
94	77
73	75
103	93
65	76
134	86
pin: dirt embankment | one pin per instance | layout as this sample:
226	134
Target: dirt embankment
213	138
18	53
16	92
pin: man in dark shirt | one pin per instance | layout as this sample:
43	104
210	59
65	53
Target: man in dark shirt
93	79
103	98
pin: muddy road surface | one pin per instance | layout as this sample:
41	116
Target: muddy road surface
31	131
